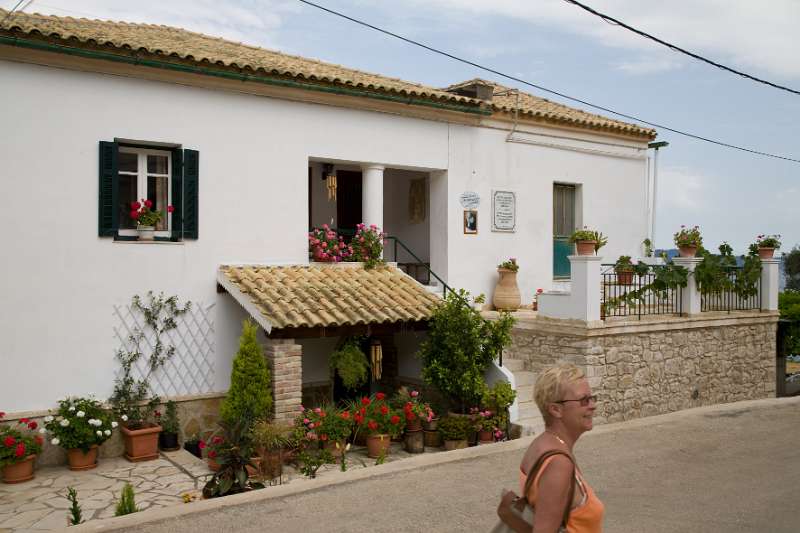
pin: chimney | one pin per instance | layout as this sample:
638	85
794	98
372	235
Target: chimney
478	89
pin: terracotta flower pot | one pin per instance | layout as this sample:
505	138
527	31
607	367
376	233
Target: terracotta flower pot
624	277
19	472
585	247
331	447
141	444
82	461
766	253
687	251
485	436
506	292
376	443
455	444
213	465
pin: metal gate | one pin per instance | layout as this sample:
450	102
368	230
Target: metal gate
787	373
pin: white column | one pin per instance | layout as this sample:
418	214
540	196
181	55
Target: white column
585	278
690	295
769	284
372	195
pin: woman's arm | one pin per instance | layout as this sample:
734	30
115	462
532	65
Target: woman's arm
552	494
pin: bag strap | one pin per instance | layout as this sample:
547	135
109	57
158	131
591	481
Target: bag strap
535	470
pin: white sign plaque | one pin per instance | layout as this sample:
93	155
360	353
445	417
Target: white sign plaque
469	200
504	211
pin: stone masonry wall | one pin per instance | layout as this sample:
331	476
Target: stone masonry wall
285	361
654	370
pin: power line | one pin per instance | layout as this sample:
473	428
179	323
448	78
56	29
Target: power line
679	49
11	12
545	89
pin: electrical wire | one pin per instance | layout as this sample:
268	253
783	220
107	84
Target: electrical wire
11	12
545	89
678	49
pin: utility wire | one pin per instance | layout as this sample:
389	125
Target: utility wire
679	49
562	95
11	12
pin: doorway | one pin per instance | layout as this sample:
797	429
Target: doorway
348	202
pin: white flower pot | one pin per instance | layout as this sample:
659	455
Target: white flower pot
146	233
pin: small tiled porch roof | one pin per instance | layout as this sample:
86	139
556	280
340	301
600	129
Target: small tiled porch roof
326	295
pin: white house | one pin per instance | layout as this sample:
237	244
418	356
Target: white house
241	141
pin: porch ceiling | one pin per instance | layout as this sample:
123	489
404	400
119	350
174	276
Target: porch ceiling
326	295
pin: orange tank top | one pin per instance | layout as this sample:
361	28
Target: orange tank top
587	517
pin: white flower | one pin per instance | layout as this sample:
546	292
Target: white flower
114	424
71	408
98	422
124	418
80	414
99	433
48	418
55	441
107	433
64	423
42	430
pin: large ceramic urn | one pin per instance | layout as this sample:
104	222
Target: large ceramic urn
506	293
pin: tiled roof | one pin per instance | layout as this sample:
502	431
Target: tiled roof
175	45
505	100
327	295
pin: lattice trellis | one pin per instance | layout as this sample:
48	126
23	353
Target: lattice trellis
191	369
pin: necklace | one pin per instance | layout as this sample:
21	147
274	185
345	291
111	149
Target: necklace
559	439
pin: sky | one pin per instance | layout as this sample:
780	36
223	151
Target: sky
733	196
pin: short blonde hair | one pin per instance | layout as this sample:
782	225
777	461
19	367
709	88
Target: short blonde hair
551	384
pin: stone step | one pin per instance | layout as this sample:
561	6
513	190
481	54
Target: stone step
528	410
523	377
524	393
514	365
531	426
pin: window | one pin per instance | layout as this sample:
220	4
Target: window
563	226
165	176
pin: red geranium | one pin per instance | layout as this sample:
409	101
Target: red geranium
379	416
373	425
10	441
20	451
32	425
384	410
380	396
24	420
212	454
17	442
365	401
394	420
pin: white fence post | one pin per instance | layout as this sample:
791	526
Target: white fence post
690	295
583	300
769	284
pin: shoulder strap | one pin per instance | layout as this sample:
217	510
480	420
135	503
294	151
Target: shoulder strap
535	470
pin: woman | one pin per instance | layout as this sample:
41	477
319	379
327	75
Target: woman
567	405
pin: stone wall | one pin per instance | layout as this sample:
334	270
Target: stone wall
285	363
661	364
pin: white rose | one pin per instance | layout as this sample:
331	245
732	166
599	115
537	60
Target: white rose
114	424
55	441
124	418
71	408
64	423
107	433
42	430
48	418
80	414
99	433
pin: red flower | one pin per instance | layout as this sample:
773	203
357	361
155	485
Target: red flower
345	415
216	440
201	445
394	420
2	414
372	425
322	414
359	419
135	206
410	416
24	420
20	451
170	208
323	437
380	396
384	410
10	441
39	439
148	204
157	414
135	215
212	454
363	411
32	425
365	401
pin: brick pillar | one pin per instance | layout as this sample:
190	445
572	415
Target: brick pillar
285	363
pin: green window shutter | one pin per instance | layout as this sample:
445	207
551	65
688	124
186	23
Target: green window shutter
177	195
108	217
191	172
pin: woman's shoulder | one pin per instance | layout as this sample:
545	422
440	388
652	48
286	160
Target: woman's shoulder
540	447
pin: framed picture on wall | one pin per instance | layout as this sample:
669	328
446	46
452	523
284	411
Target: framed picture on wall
470	221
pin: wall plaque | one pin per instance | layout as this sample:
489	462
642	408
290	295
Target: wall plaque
469	200
504	211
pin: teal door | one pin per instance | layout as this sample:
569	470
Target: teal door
563	226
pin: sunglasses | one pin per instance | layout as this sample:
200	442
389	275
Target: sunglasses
583	401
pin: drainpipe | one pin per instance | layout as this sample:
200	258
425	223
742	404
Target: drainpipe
655	146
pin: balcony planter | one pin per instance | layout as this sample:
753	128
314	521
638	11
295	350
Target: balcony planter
687	251
19	472
624	277
585	247
80	460
506	292
146	233
141	444
766	253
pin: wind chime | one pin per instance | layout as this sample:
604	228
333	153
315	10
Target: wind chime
329	175
376	359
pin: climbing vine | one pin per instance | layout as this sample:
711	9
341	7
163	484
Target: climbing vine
719	273
666	278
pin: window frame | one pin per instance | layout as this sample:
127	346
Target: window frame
141	182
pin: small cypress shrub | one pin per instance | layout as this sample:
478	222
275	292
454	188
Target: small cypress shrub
75	516
126	503
250	396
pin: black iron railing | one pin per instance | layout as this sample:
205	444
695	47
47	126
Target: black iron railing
645	290
734	293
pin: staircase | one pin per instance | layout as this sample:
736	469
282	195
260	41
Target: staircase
529	417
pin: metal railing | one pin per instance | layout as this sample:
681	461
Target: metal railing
734	294
637	293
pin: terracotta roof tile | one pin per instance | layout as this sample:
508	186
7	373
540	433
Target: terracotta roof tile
328	295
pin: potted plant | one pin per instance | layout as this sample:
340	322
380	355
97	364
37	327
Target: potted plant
486	425
146	218
18	449
192	445
330	426
688	240
506	292
269	439
233	455
454	431
767	244
624	268
168	438
498	399
325	246
213	446
535	305
587	241
460	346
79	425
367	245
381	423
350	362
415	411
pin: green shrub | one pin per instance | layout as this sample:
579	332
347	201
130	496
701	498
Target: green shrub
126	503
249	397
350	363
170	423
75	515
456	427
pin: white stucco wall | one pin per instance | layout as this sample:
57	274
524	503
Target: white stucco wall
60	281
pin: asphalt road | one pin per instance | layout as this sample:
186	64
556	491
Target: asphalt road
731	469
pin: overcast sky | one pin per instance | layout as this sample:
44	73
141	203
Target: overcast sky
732	195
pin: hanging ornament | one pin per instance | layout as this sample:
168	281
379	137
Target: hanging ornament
331	183
376	358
